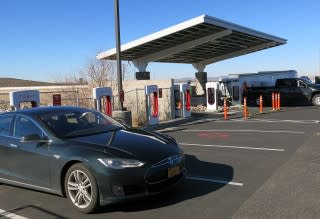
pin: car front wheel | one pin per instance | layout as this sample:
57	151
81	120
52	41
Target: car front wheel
316	100
81	188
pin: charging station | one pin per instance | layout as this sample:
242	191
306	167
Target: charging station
182	98
103	95
212	96
24	96
152	104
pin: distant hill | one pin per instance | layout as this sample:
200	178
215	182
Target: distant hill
14	82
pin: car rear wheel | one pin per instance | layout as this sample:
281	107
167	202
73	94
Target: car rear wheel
81	188
316	100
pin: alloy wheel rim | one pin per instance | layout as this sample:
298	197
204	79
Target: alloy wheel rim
79	189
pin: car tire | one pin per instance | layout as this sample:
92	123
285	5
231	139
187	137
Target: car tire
316	100
81	188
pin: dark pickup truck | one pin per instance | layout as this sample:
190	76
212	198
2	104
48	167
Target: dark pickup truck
293	91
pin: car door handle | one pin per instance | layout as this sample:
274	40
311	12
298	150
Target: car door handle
13	145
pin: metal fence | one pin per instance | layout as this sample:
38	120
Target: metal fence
135	101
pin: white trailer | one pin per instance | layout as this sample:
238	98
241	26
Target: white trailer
234	84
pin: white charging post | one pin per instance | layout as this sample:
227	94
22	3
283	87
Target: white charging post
212	96
186	100
152	104
18	97
98	94
182	97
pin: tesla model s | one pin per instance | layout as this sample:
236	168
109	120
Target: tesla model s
86	156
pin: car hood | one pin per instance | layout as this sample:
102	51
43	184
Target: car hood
134	143
315	86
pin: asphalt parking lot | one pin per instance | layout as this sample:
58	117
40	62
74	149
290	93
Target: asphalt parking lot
264	167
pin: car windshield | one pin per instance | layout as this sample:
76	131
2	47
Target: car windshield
306	80
75	123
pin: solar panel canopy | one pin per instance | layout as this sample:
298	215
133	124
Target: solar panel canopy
199	41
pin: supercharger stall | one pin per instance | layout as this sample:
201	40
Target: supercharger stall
100	93
212	96
24	96
152	104
182	97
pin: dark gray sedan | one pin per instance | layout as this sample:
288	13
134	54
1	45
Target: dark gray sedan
86	156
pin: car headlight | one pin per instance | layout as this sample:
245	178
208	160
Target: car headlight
117	163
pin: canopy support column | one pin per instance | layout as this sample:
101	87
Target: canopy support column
142	73
201	76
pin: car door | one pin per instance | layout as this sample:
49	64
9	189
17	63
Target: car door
29	161
305	93
287	89
5	139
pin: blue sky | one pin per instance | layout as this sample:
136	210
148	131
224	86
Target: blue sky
47	39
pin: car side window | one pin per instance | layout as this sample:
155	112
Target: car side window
5	124
24	126
302	84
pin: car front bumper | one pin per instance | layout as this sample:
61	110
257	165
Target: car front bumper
118	186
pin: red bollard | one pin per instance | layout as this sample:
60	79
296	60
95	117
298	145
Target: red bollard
273	105
225	110
261	104
276	100
279	101
245	110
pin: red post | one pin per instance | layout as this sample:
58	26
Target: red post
245	110
261	104
273	105
279	101
225	110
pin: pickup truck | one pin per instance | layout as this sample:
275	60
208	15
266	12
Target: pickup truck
293	91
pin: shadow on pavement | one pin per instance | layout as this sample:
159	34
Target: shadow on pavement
185	190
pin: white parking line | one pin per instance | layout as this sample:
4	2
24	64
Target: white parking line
214	181
7	214
287	121
243	130
272	121
235	147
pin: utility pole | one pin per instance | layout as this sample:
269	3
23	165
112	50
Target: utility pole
118	45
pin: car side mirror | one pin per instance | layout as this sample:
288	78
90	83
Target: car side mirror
34	138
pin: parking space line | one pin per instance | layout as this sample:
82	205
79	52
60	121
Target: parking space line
7	214
235	147
243	130
214	181
272	121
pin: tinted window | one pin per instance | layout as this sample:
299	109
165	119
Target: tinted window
24	126
68	124
301	84
235	93
287	83
5	123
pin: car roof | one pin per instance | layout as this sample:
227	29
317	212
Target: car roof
41	110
